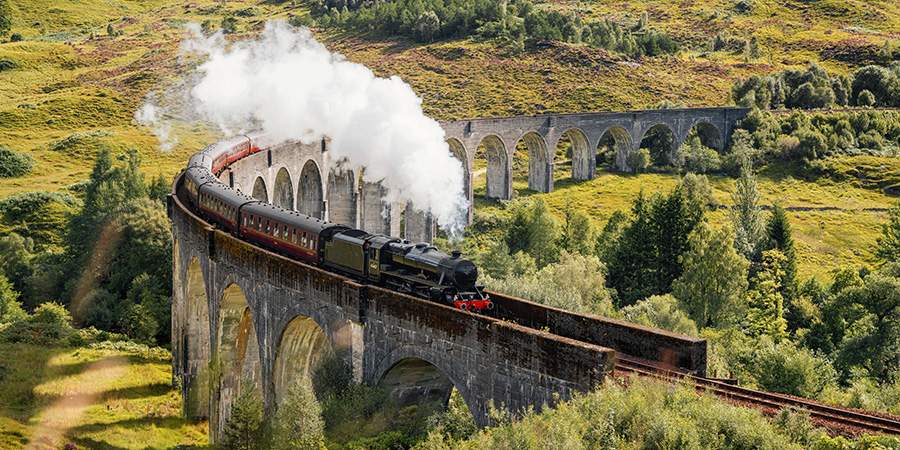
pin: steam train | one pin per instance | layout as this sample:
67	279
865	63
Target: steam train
412	268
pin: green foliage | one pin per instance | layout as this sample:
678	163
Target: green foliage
10	307
766	315
578	232
887	246
230	25
647	414
788	369
15	164
660	311
714	280
778	231
343	400
575	283
870	314
699	158
746	216
5	17
51	313
298	422
639	160
645	261
244	429
533	230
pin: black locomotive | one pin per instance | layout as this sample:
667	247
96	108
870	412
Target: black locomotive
413	268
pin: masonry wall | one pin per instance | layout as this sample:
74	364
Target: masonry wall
684	352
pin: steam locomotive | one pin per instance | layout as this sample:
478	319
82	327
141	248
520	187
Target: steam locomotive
412	268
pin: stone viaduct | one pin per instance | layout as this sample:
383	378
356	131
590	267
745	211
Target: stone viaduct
242	313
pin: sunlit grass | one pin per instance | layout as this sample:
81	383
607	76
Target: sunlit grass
94	398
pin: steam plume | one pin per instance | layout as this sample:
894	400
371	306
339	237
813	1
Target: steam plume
292	87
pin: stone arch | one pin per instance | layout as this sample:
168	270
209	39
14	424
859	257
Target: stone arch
342	197
196	352
459	152
583	160
259	190
661	140
497	175
540	163
309	190
710	135
621	144
415	378
237	352
283	191
301	344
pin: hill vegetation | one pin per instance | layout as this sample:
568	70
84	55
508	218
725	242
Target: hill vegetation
808	306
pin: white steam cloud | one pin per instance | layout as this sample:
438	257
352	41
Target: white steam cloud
292	87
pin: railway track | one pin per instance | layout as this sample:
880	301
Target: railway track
766	400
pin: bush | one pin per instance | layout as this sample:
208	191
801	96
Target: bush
15	164
17	206
701	159
51	313
7	64
639	160
15	37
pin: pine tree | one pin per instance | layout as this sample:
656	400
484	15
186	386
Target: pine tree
746	216
578	232
778	230
714	282
243	430
298	423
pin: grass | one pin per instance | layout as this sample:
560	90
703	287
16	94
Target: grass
94	398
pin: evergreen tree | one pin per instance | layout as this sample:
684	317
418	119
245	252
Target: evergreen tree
298	422
746	216
534	230
778	230
714	282
578	232
630	266
244	429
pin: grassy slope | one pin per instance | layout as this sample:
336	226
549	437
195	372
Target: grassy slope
99	399
68	83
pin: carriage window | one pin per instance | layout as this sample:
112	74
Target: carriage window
293	235
285	232
245	221
303	241
259	224
276	231
268	227
312	242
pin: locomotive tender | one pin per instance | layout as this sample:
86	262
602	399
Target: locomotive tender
412	268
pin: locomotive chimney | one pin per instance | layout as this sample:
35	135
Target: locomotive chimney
456	253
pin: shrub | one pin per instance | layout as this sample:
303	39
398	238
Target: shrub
51	313
639	160
7	64
701	159
15	164
243	430
15	37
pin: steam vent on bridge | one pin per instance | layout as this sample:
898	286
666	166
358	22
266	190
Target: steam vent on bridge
246	311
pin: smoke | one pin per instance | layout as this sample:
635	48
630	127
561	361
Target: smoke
151	115
292	87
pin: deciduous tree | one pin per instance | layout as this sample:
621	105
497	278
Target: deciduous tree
714	282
